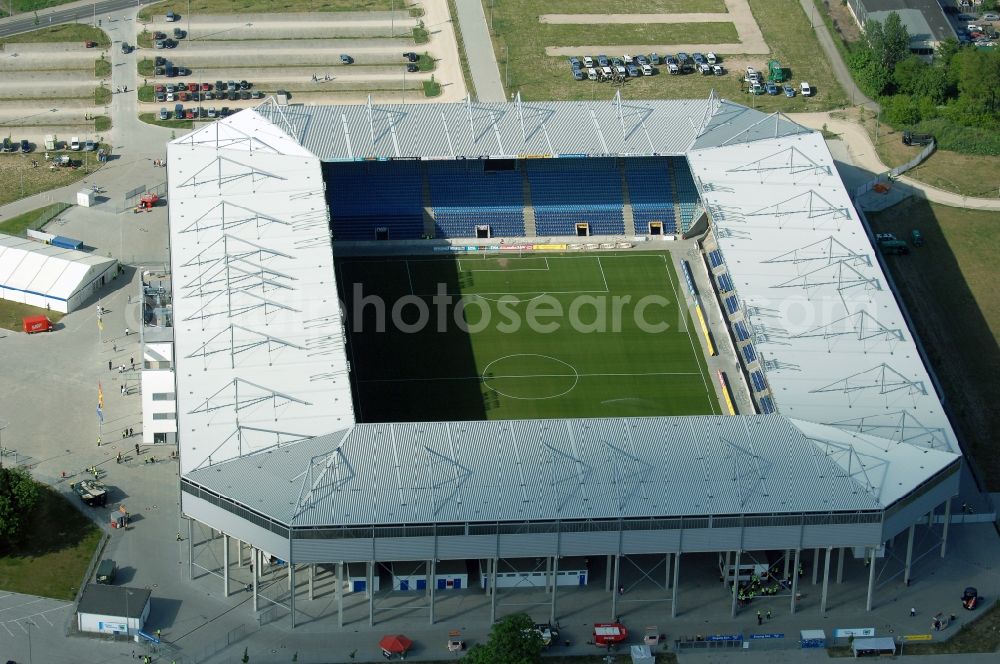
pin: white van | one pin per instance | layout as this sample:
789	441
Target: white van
74	143
805	89
591	74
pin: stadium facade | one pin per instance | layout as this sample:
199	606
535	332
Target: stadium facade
849	447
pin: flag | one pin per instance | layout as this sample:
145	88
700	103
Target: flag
100	395
100	415
100	324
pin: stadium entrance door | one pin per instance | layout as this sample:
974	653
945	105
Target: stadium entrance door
582	230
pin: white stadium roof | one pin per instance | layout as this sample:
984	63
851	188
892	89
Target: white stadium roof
259	345
30	269
261	365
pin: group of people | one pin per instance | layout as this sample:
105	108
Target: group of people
128	432
766	584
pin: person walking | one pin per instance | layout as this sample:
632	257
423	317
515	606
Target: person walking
132	360
109	365
913	611
769	615
760	618
137	449
126	331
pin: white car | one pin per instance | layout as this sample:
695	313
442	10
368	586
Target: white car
710	57
628	59
588	61
647	70
805	89
991	17
74	143
607	72
591	73
885	237
620	69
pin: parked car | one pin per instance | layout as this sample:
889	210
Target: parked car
588	61
411	68
647	70
178	111
654	59
230	85
628	59
718	70
578	75
641	60
189	114
208	95
126	49
684	59
164	113
171	16
169	97
257	94
413	57
160	97
89	146
74	144
991	17
179	34
244	85
244	94
169	43
805	89
159	43
224	111
159	35
211	112
606	72
25	146
89	44
574	62
699	59
159	60
603	61
620	70
346	59
591	74
705	69
633	71
789	90
192	87
771	87
183	71
711	58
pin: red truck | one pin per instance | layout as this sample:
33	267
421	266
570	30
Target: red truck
34	324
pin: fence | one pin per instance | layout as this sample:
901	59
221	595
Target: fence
897	171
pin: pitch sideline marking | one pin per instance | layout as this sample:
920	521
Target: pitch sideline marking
708	394
581	375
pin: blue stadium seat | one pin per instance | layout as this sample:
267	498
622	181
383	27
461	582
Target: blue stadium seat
464	195
725	283
715	258
565	192
766	405
757	378
687	193
363	197
650	194
741	331
749	353
732	304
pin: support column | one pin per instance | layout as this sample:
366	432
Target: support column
493	589
947	522
788	556
291	594
548	573
725	568
909	555
815	565
239	553
795	579
614	591
370	587
840	565
191	549
666	570
826	580
225	565
312	581
254	564
555	585
871	580
608	573
736	583
930	517
433	586
340	594
428	578
677	575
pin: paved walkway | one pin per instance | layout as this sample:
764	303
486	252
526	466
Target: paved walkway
751	40
479	51
840	70
863	154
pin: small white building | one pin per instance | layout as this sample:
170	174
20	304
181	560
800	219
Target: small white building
50	277
448	575
356	578
113	609
532	573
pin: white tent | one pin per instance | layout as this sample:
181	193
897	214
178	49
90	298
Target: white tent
49	277
642	655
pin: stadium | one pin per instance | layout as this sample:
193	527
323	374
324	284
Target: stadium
766	408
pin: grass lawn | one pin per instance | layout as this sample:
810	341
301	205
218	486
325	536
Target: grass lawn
11	314
144	39
146	93
153	119
518	356
34	219
784	25
146	67
970	175
102	123
425	62
432	88
70	32
16	170
102	96
949	287
102	68
56	553
158	10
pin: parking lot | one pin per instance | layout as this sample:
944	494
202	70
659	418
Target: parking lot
49	88
302	54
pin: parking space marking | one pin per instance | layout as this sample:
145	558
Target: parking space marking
18	606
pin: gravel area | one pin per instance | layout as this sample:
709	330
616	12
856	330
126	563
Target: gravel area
300	28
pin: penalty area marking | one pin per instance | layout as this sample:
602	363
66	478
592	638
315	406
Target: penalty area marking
500	260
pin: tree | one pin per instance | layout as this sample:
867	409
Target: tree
895	41
513	640
18	495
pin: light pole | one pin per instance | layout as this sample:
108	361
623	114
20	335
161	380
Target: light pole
29	625
506	66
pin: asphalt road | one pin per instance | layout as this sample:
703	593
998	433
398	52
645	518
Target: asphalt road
67	14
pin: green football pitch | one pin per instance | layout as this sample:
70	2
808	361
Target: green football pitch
519	337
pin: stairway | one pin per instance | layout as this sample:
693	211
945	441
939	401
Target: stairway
529	209
673	195
626	203
430	230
